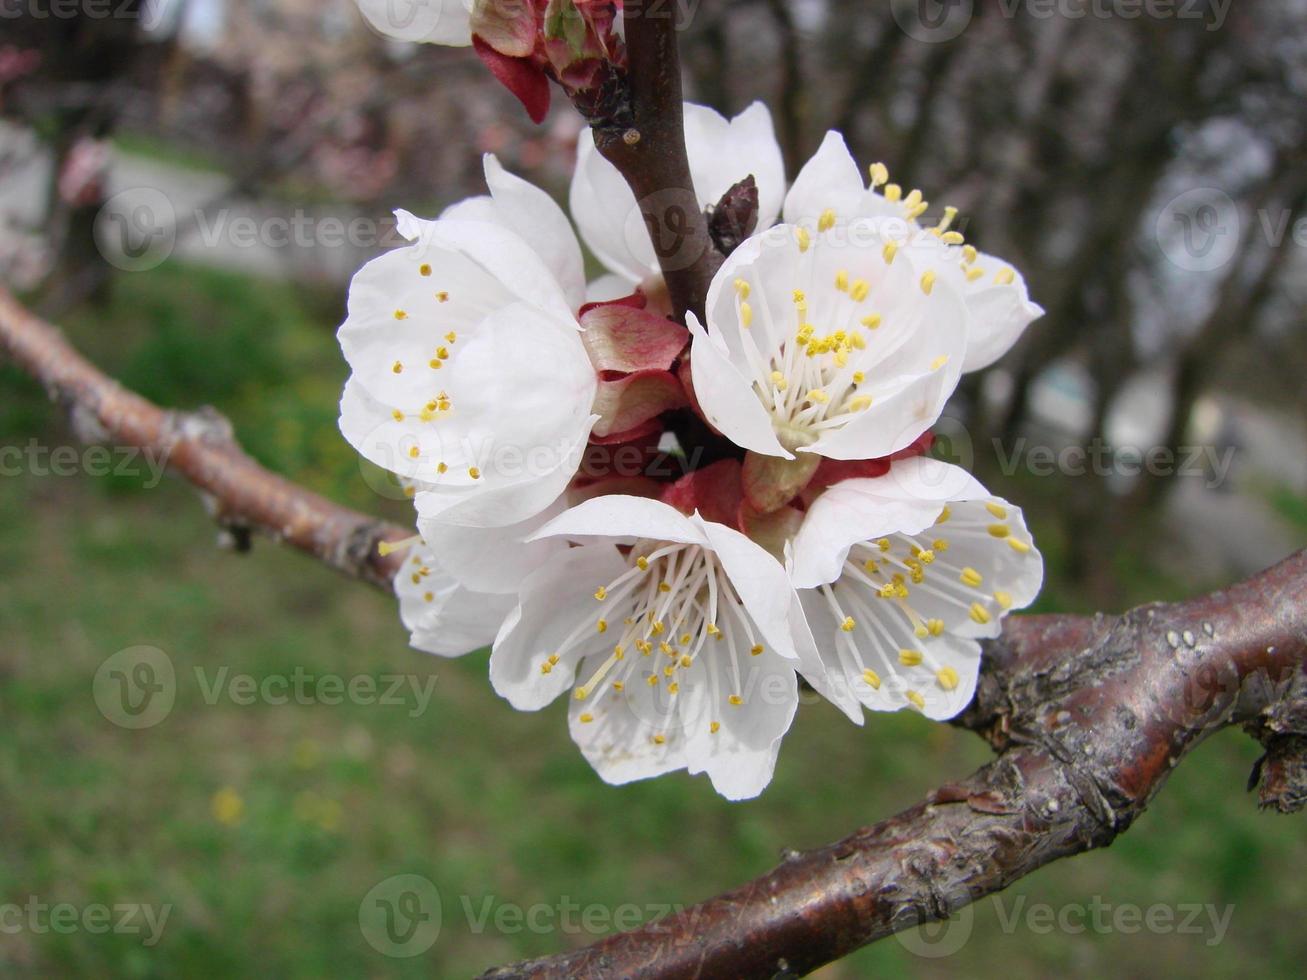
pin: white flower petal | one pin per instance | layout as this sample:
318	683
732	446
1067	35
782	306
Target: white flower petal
551	608
607	216
727	398
829	181
623	517
723	152
760	582
433	21
488	559
444	617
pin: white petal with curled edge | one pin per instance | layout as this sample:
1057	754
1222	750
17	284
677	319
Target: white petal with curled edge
830	180
443	617
907	500
540	222
727	398
445	22
489	559
626	517
555	601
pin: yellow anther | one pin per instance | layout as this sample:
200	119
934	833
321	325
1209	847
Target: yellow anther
950	213
601	593
800	299
474	472
451	336
849	624
936	627
997	509
742	288
859	377
401	315
644	646
803	238
428	597
939	362
658	627
397	368
435	364
917	210
927	556
618	686
890	250
755	649
1004	599
952	238
736	700
827	220
686	660
664	587
913	198
586	718
920	631
939	544
652	680
870	565
619	653
893	192
660	740
947	678
424	269
969	254
928	281
442	297
917	700
974	273
602	626
971	577
397	415
779	381
712	630
546	668
442	353
882	544
746	314
414	452
860	403
872	678
1005	277
879	174
642	563
1020	547
979	613
714	727
944	514
842	280
442	467
818	396
998	530
910	658
859	290
673	687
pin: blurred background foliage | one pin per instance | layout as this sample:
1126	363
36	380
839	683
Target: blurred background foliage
1066	142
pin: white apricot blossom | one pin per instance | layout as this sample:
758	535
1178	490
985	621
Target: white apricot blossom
830	193
831	346
469	372
721	151
900	575
678	637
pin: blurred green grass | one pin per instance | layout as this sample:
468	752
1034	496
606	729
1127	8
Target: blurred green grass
325	801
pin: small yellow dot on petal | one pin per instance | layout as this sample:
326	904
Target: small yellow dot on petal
424	269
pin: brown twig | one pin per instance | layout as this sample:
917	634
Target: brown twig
1089	716
241	495
649	149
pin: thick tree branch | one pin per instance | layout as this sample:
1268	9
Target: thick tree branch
1089	716
648	147
241	495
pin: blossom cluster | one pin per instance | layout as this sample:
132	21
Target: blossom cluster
673	525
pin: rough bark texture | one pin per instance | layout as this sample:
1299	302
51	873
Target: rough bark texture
240	494
1089	716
